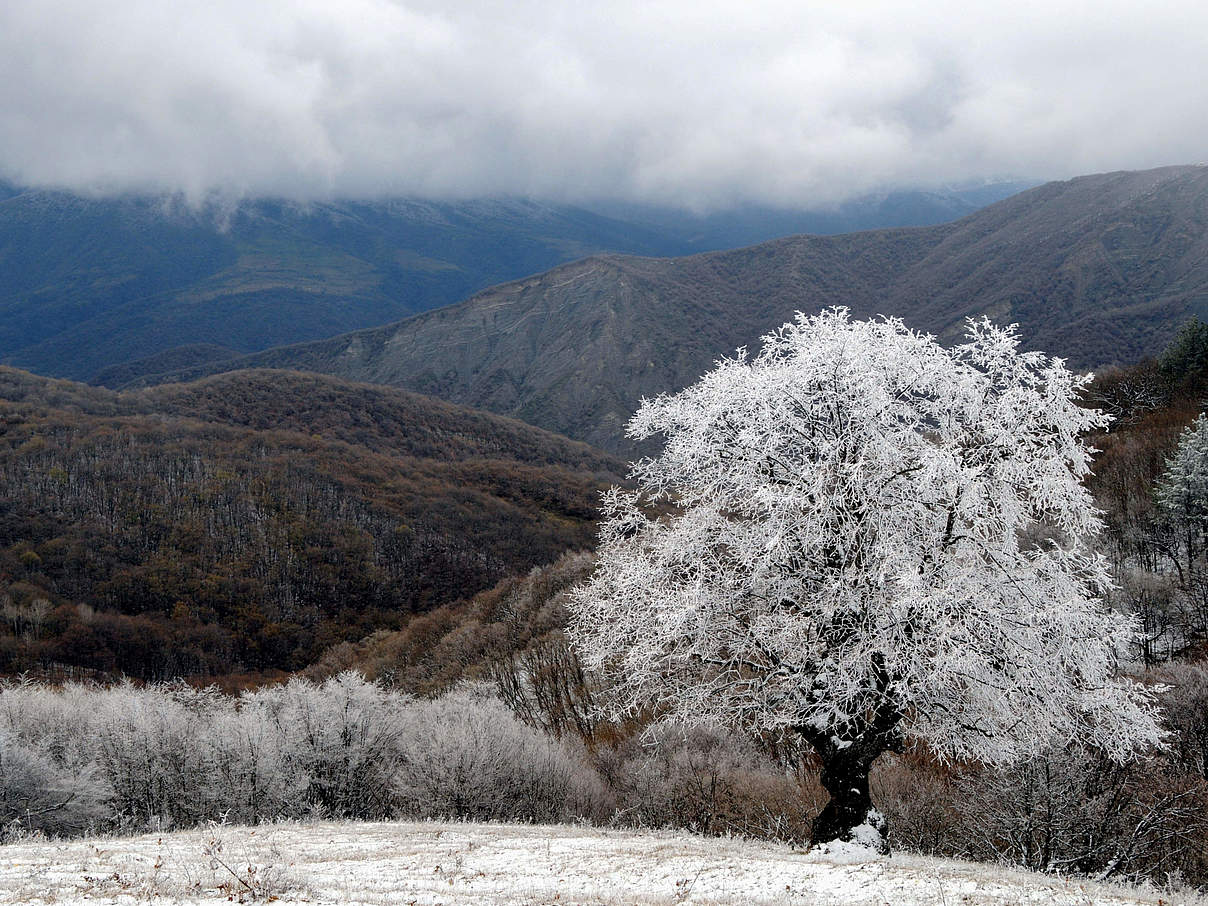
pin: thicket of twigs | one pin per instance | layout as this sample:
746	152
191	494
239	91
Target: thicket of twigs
89	759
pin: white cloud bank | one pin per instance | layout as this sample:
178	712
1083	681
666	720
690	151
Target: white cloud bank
689	101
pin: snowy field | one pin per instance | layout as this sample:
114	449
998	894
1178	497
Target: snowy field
485	865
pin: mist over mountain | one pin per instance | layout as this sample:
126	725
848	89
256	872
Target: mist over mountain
1100	269
751	224
89	284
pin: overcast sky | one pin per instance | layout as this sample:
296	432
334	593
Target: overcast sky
698	103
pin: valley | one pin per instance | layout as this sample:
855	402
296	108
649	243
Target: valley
1100	270
111	289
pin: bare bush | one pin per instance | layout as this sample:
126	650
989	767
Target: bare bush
1075	811
918	799
1186	704
546	686
709	781
172	756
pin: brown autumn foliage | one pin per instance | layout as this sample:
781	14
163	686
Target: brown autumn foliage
1158	577
178	532
466	640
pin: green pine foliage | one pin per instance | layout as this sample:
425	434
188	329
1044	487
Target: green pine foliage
1185	361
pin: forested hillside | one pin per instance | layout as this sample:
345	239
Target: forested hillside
1100	269
247	522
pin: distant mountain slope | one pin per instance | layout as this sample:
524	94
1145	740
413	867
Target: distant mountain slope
112	289
1100	269
175	359
250	521
381	419
752	224
86	284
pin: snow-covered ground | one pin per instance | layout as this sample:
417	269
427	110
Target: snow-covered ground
485	865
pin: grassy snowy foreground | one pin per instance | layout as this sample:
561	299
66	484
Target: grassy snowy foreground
431	863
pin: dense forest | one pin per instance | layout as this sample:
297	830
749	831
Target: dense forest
247	523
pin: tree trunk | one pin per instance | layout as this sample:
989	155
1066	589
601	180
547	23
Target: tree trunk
849	816
847	754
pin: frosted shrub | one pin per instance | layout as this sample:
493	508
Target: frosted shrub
38	795
145	747
57	723
338	742
124	757
468	757
253	778
177	756
154	747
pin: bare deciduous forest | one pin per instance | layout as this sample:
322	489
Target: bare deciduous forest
176	534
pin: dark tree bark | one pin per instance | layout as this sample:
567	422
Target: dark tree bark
845	777
847	757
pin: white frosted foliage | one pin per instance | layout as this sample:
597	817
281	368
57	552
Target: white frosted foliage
858	521
1182	491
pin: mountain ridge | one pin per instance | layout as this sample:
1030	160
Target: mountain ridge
1100	269
92	284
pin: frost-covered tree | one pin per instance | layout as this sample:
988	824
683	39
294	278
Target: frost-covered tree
1182	491
867	539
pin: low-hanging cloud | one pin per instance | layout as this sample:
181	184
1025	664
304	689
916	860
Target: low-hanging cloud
689	102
